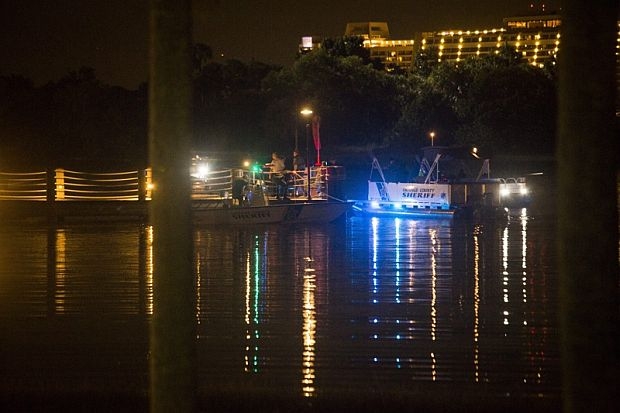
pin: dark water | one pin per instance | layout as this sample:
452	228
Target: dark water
372	306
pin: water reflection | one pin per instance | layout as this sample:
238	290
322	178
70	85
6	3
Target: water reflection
146	269
72	309
309	324
57	263
380	303
409	262
252	283
476	301
77	270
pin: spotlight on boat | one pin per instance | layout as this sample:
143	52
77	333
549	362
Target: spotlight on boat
203	170
523	190
398	205
374	205
504	192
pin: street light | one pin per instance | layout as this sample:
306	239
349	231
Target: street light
307	113
432	134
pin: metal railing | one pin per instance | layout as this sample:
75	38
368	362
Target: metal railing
215	184
87	186
67	185
30	186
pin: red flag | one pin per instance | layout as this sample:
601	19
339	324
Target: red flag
316	120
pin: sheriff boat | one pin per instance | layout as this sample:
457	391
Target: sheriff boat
231	196
434	195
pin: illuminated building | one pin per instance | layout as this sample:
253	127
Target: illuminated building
536	38
309	43
392	53
618	72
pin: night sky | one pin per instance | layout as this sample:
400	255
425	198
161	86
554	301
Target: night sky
45	39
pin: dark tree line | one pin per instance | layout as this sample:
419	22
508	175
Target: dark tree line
74	122
496	102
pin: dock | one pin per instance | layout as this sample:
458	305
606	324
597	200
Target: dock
62	195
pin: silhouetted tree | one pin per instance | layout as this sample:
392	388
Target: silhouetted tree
424	62
357	104
18	125
508	107
201	54
75	121
346	46
495	102
229	105
429	110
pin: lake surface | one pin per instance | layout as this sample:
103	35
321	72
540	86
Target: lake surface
425	308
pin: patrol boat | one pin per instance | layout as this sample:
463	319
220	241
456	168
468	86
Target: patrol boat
432	195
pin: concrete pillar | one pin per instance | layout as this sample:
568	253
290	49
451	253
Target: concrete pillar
141	184
172	345
587	153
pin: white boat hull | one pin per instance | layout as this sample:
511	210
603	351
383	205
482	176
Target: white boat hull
286	213
411	195
416	200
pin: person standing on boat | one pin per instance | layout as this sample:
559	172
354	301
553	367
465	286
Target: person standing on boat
299	167
276	170
298	170
239	186
299	163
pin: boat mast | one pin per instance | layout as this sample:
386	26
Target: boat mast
434	166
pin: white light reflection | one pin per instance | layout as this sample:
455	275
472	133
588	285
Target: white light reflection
375	241
397	223
251	318
198	286
411	252
248	313
433	234
505	272
476	304
524	254
434	250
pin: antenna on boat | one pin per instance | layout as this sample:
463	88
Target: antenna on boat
376	165
485	170
434	166
381	186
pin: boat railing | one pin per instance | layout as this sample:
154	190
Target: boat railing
215	184
518	180
510	186
321	177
